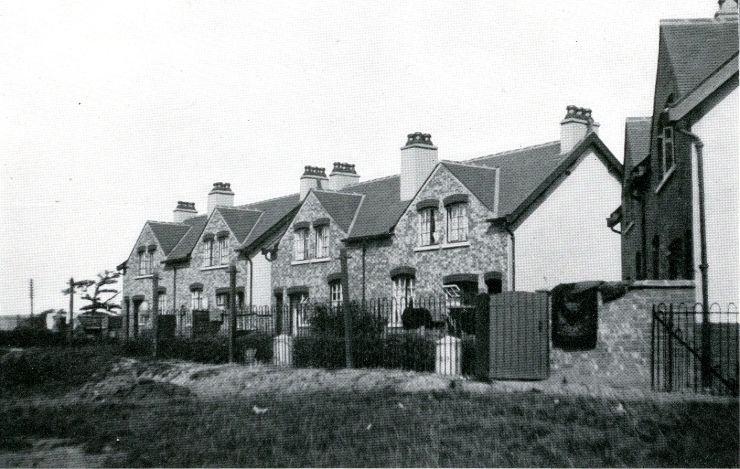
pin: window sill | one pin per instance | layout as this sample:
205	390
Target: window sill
215	267
436	247
145	276
311	261
666	177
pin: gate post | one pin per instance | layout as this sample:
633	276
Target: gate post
670	348
482	336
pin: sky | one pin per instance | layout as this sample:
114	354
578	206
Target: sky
110	112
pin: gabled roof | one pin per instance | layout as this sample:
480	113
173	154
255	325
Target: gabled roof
380	209
240	221
274	213
168	234
182	250
636	141
480	180
696	48
341	206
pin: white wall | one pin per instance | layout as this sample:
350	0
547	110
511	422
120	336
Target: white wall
566	238
718	130
261	282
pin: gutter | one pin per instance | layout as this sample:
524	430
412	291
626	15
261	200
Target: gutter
704	265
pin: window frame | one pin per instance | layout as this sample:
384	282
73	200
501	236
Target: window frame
300	244
223	250
336	293
403	292
209	253
161	303
457	223
322	242
196	297
428	227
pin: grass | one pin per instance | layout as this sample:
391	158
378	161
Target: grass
430	429
163	424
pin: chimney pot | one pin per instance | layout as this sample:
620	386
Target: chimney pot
418	159
343	175
220	196
578	122
314	177
183	211
727	11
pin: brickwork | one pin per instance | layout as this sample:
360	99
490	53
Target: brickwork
622	355
287	273
486	251
135	285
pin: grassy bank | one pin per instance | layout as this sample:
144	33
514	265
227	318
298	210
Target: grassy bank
380	429
160	423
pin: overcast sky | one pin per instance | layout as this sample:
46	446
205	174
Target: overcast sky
110	112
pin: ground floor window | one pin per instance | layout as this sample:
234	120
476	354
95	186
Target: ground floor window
162	303
144	313
335	293
197	300
299	311
403	296
222	301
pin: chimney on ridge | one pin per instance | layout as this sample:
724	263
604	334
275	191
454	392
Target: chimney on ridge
313	178
575	126
220	196
727	10
343	175
418	159
183	211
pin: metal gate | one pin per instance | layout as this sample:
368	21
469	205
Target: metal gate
518	336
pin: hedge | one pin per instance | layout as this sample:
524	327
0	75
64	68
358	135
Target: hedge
203	349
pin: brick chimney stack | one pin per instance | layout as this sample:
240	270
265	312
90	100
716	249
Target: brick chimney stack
313	177
220	196
418	159
183	211
575	126
343	175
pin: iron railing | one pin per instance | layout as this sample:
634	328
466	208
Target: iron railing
677	353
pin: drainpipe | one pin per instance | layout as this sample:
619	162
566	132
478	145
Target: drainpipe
704	265
251	283
507	227
174	298
364	252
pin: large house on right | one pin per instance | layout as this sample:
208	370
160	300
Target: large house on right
679	212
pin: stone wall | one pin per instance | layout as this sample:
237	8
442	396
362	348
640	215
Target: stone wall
622	354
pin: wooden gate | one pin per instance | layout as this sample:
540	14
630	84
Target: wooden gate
518	333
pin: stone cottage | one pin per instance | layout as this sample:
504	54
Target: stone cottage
526	219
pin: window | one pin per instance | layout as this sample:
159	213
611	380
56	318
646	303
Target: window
335	293
457	222
427	229
299	311
162	303
666	150
656	257
197	301
322	241
461	293
494	286
149	262
209	254
300	244
403	296
223	249
222	301
142	268
143	314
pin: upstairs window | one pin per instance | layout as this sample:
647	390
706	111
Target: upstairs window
322	241
223	250
335	293
457	222
300	244
209	253
149	262
427	228
666	149
141	264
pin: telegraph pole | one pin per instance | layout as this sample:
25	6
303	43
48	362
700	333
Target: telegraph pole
155	312
71	308
30	293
